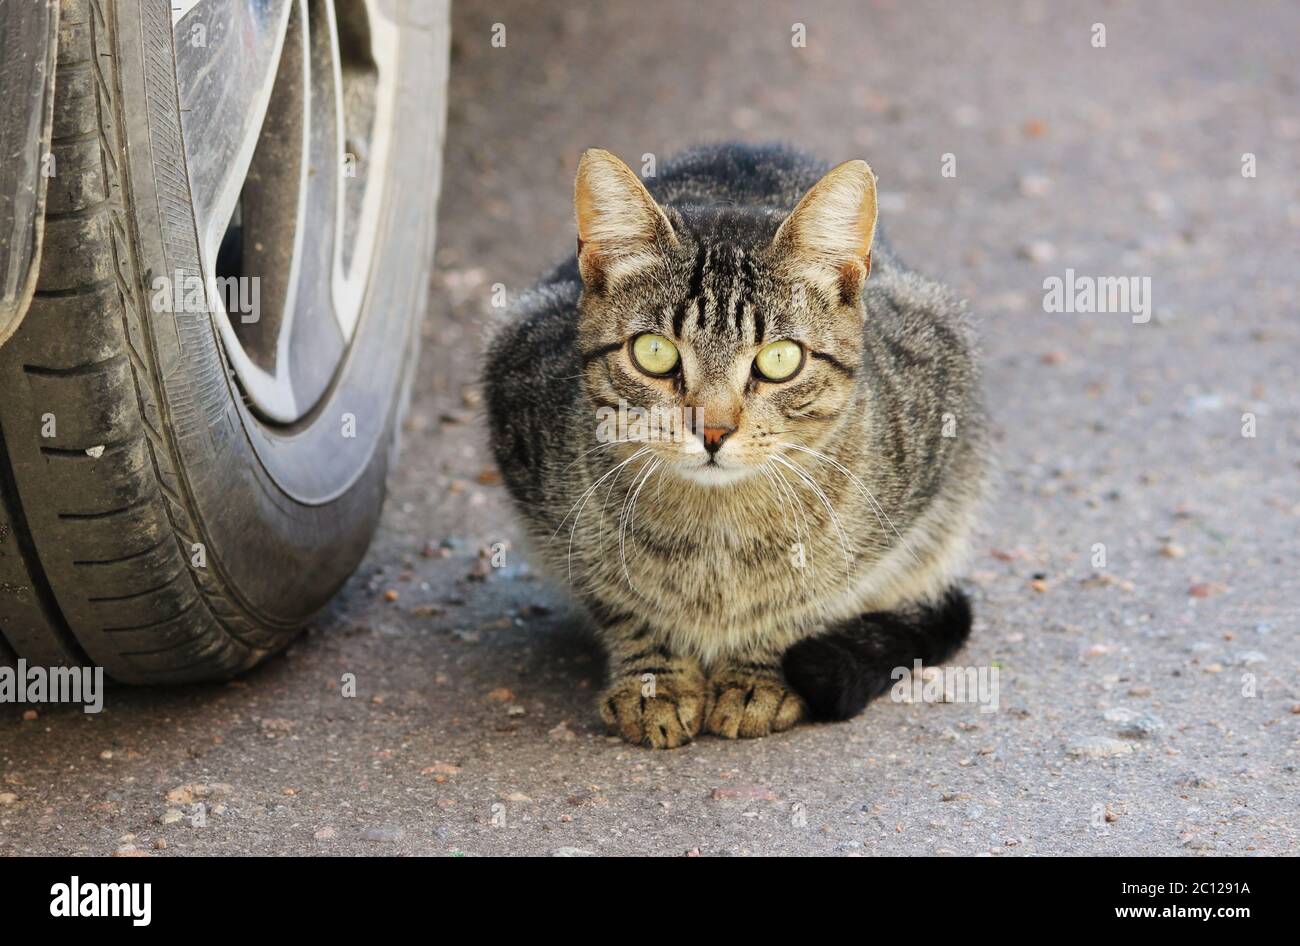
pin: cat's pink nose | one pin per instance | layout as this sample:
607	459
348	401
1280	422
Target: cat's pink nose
713	437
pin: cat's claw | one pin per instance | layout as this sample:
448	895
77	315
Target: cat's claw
670	718
746	706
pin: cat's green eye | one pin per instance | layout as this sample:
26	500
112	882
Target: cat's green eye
654	354
779	361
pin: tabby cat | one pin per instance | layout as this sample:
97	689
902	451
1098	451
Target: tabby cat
750	440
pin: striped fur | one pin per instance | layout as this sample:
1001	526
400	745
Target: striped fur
850	489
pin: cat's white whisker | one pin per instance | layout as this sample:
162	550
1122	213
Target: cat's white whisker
770	474
627	496
582	502
875	506
609	491
629	510
594	486
649	476
830	509
875	503
599	446
801	523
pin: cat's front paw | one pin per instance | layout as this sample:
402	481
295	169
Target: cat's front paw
662	713
746	705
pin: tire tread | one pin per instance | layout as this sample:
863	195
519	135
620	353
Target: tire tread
115	519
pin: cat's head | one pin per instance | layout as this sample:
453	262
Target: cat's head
742	326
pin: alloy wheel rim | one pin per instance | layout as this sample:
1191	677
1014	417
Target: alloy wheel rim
286	114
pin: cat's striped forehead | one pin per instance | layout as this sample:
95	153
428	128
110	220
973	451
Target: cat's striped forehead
724	298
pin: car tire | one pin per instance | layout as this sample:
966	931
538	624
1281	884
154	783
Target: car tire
152	521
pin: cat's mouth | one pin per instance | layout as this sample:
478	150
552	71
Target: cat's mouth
713	472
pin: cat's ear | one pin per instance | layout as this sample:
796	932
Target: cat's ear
826	240
620	227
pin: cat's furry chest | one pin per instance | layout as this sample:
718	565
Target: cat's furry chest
724	567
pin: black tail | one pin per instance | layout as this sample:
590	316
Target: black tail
851	663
